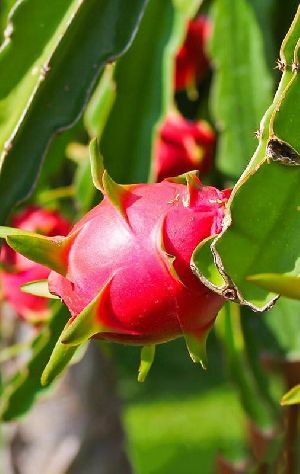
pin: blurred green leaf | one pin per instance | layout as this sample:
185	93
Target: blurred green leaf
188	7
20	392
95	117
100	103
38	288
5	8
292	397
265	12
285	285
257	239
58	361
283	321
228	326
49	67
144	88
242	83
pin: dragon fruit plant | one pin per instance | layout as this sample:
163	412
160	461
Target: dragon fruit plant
16	270
191	60
124	269
183	146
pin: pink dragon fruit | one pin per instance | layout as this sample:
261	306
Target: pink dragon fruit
191	60
124	269
17	270
183	146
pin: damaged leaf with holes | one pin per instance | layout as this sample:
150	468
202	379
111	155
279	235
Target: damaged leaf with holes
256	238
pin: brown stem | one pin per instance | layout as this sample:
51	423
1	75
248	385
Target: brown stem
292	418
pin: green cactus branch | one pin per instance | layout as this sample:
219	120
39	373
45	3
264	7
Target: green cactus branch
256	239
45	89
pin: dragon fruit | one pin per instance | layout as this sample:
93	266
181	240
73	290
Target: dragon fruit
17	270
191	60
183	146
124	269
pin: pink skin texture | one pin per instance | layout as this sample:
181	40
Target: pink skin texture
191	60
183	146
132	253
17	270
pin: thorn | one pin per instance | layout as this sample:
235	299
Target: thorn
280	64
257	134
295	67
147	358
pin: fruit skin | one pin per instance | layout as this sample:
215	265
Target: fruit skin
191	60
133	250
17	270
183	146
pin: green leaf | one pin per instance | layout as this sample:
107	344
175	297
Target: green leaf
116	193
144	85
86	324
240	93
60	357
283	322
204	266
188	7
292	397
147	358
86	194
5	8
97	167
20	392
75	333
285	285
197	348
48	251
38	288
256	239
49	67
95	118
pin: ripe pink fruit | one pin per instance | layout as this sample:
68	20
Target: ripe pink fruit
127	275
124	269
191	60
18	270
183	146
